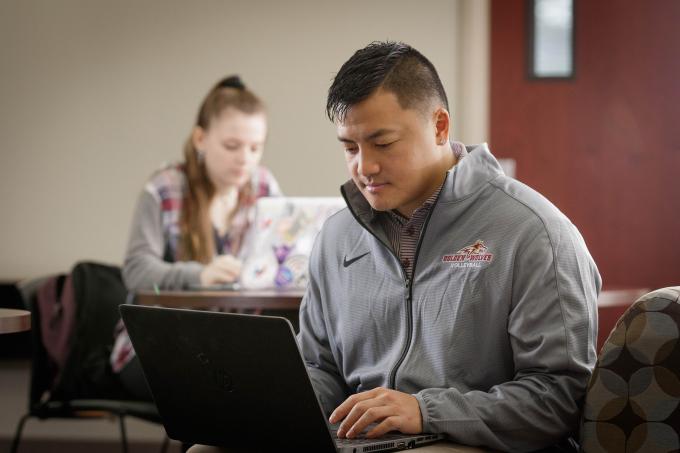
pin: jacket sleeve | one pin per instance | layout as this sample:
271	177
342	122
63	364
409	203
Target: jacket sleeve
314	342
144	266
552	328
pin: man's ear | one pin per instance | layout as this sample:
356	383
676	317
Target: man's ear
198	137
442	123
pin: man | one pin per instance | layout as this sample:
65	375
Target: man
448	297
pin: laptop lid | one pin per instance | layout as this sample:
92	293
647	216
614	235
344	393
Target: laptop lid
228	379
238	381
277	248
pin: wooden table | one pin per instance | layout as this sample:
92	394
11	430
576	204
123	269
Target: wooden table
226	300
12	320
611	304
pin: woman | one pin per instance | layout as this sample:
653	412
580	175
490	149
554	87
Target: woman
191	217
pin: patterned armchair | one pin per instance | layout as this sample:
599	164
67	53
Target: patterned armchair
633	398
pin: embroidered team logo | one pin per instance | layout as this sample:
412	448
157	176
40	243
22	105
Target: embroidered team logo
475	255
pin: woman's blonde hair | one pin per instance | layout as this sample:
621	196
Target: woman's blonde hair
197	241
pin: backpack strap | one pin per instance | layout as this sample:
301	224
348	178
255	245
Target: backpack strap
55	302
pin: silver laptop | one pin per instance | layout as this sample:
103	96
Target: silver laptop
237	381
277	248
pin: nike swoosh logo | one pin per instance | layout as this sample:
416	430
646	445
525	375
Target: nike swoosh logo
347	262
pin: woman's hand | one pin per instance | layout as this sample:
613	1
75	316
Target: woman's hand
223	269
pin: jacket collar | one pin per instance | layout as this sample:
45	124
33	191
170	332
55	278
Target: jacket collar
475	168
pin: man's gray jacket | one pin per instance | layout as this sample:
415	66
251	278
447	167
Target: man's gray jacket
495	334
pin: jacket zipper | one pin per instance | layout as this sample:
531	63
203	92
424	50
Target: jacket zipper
407	281
409	297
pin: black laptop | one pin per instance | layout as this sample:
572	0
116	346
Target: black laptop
237	381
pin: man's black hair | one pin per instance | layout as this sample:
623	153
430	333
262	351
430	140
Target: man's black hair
394	66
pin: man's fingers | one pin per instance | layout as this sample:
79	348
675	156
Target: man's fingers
388	424
370	415
390	409
355	414
343	409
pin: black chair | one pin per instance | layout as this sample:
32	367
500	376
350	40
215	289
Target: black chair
85	386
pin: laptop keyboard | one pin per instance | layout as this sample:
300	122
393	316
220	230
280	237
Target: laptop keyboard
389	438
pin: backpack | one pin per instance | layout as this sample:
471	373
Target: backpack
76	316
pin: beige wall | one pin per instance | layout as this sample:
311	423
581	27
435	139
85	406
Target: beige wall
94	95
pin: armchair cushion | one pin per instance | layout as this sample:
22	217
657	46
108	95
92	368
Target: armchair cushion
633	398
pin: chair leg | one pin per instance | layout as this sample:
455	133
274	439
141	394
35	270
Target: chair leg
123	434
17	435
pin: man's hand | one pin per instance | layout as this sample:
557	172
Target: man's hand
392	410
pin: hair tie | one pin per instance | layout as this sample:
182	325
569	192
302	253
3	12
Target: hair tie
232	81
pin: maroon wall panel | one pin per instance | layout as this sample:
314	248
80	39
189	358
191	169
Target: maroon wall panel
605	146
